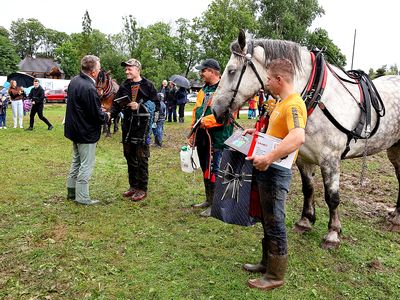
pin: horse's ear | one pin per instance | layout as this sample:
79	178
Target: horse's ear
242	39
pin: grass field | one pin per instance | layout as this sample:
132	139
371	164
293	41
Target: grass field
51	248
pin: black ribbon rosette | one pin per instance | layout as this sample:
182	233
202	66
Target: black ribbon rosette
233	181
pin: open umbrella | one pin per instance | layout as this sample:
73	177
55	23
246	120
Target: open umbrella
180	81
22	79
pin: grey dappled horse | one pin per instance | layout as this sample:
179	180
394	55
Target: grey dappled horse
324	142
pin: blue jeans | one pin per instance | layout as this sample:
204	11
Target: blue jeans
273	186
3	120
159	131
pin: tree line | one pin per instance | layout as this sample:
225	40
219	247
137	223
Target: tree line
163	48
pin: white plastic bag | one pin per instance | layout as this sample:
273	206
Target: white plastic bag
189	159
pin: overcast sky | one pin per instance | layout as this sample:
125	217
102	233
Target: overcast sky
377	22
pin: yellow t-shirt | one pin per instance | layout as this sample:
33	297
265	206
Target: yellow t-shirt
288	114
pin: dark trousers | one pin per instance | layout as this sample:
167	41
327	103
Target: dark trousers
172	113
37	108
137	158
181	111
273	185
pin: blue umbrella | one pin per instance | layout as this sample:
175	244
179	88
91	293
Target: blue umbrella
6	85
28	90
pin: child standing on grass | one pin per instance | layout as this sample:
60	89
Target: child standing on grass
158	126
3	107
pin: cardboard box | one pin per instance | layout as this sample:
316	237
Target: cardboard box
266	143
259	144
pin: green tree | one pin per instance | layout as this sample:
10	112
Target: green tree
86	43
287	19
187	45
371	73
51	40
130	33
393	70
319	38
27	36
4	32
99	43
111	61
156	50
119	43
219	25
8	57
69	58
381	71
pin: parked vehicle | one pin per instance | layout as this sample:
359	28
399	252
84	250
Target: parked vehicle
192	97
55	96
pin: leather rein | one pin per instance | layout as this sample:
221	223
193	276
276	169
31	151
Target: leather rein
104	85
247	61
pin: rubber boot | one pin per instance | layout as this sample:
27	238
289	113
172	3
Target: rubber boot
206	203
82	194
71	193
261	267
181	120
210	196
274	276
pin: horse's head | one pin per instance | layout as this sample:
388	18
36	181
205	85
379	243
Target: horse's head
246	72
101	82
243	76
106	88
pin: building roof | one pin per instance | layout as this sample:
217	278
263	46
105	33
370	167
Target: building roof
38	65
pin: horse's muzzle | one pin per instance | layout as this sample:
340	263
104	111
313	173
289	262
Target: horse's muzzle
220	118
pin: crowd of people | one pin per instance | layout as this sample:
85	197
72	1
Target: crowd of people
145	110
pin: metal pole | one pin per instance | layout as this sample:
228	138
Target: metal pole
354	46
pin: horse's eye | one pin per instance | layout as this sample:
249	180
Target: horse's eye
231	71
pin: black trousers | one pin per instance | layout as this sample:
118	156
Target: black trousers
37	108
137	158
181	111
172	113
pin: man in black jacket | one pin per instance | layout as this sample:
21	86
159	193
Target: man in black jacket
83	121
37	96
138	103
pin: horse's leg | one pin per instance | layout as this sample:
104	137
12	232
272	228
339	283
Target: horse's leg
330	170
393	154
116	120
308	213
108	131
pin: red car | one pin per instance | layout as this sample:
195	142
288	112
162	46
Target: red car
55	96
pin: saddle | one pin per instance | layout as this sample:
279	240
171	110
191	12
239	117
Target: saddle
369	98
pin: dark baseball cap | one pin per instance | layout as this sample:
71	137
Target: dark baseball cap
209	63
132	63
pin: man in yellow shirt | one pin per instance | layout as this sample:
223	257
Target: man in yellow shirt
286	122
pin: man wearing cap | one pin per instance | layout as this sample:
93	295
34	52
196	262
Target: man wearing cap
209	136
141	105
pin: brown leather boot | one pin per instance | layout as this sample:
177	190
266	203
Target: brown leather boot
273	278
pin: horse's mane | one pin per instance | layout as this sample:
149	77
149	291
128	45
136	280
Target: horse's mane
276	49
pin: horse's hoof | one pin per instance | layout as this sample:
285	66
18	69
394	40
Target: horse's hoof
108	135
331	240
328	245
302	226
